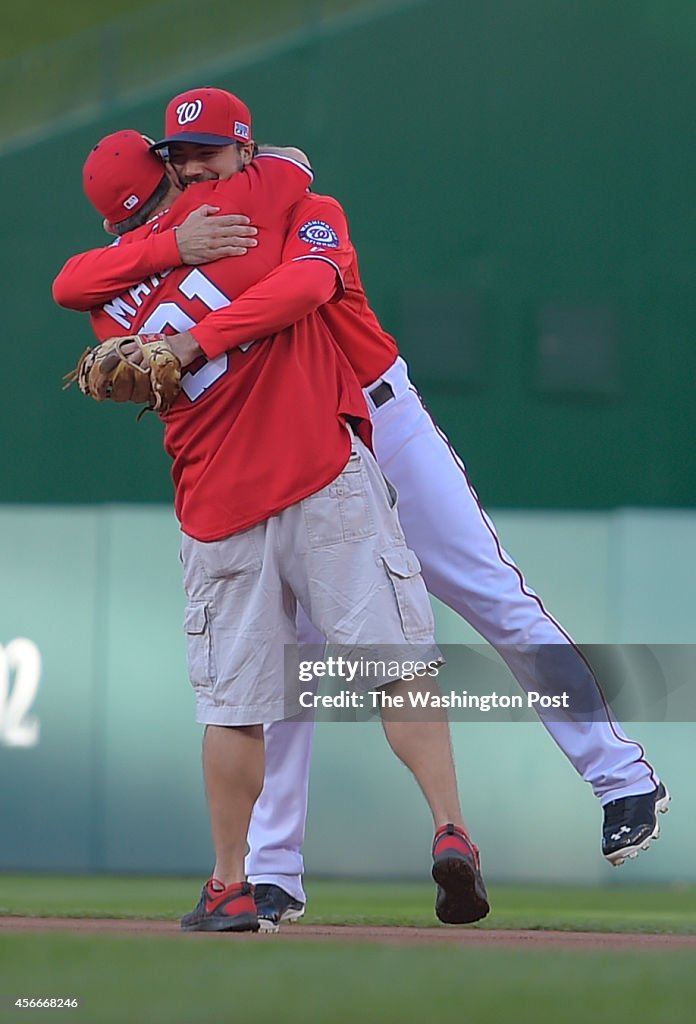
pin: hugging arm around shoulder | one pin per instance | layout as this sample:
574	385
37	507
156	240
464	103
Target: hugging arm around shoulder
98	275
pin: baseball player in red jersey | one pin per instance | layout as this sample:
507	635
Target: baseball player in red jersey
463	562
264	527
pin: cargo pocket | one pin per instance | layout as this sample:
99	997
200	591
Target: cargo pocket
403	569
199	647
341	512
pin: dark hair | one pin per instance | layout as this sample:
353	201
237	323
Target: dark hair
138	218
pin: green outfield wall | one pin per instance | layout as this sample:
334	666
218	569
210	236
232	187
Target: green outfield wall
100	755
520	184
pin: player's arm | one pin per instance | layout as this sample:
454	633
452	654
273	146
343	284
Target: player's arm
275	181
98	275
269	186
317	250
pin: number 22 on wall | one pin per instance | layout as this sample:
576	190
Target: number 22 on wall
20	660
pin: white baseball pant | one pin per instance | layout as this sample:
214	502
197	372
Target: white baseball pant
465	566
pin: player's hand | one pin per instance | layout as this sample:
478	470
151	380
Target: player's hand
184	346
132	352
206	236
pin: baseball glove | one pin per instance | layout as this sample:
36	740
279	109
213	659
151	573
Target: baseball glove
106	372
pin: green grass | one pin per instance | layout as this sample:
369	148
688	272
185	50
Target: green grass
98	54
25	26
152	979
254	979
623	908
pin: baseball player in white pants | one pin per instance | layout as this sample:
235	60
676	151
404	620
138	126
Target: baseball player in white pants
465	566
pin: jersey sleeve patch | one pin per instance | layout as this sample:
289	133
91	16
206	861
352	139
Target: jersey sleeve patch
318	234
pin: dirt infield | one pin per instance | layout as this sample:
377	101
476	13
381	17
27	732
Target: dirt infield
389	936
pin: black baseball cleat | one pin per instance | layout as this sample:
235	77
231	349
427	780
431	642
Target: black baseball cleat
223	908
274	905
630	824
461	893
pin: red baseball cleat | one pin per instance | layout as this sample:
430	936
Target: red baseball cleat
461	893
223	908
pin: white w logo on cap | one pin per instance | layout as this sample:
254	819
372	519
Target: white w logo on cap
188	112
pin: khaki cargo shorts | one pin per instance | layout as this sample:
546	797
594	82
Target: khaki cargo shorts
341	554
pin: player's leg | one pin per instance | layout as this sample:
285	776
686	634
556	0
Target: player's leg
424	746
238	621
465	566
233	767
413	737
277	829
274	863
351	570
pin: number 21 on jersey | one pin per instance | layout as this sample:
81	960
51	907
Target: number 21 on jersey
170	314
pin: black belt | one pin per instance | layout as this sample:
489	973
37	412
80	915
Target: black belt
381	393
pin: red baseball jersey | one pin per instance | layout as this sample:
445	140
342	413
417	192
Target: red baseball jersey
319	225
255	429
94	277
317	229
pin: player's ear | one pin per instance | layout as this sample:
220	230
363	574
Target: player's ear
247	153
107	227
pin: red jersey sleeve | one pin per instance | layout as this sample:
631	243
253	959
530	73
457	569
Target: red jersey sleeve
96	276
267	188
289	293
318	230
270	183
316	250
